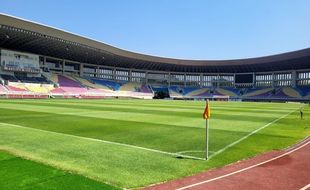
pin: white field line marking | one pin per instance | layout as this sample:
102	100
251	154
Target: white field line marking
107	142
189	151
248	135
244	169
305	187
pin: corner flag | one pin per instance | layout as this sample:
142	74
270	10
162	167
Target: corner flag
207	113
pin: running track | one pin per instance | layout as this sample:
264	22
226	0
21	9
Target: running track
286	170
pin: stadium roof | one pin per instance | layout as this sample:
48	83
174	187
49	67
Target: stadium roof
22	35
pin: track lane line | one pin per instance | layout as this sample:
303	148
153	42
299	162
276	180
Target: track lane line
247	168
305	187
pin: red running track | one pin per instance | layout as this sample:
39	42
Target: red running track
280	170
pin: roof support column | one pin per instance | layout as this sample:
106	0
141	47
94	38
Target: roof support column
169	79
130	75
254	80
201	79
81	69
273	80
146	77
184	79
294	78
114	74
97	72
234	81
63	66
44	60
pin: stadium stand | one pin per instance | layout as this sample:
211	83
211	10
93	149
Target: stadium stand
226	92
107	84
304	90
39	88
160	91
17	86
87	83
176	92
258	92
10	78
3	89
16	89
196	92
291	92
54	78
69	85
135	87
52	70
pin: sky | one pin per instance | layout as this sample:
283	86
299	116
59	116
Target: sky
184	29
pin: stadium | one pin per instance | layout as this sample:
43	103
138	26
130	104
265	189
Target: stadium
78	113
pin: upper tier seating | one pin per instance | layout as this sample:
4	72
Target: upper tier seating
196	92
232	92
279	94
135	87
16	89
261	92
3	89
106	83
65	81
305	91
32	79
160	90
69	85
291	92
89	84
189	92
176	91
54	78
286	93
39	88
9	78
72	85
146	89
24	79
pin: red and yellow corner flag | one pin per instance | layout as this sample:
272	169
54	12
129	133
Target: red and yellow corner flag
207	112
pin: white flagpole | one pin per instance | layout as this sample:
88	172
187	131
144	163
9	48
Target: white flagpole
207	139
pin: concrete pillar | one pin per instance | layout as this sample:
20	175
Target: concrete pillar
114	74
273	80
63	66
294	79
81	70
130	75
97	72
146	77
254	80
201	79
169	79
234	82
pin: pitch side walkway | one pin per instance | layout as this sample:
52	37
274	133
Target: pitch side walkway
285	170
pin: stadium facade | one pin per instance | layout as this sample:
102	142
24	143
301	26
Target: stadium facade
42	61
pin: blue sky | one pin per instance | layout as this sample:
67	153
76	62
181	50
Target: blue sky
190	29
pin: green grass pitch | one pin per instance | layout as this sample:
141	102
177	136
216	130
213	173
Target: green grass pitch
130	143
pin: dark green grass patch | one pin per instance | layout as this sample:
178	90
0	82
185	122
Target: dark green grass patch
20	174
